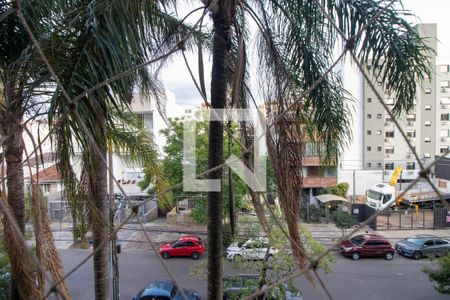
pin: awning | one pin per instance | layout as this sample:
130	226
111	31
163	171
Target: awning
329	198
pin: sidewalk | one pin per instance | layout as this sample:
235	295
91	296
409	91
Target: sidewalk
131	236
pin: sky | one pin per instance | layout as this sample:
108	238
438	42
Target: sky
177	79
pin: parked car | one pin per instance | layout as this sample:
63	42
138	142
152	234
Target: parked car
418	246
367	245
252	249
239	286
188	245
165	290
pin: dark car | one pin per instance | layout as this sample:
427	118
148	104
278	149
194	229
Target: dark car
188	245
165	290
418	246
240	286
367	245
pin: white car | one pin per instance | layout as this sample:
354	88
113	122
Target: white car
252	249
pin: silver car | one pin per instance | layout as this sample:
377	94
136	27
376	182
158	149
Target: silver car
419	246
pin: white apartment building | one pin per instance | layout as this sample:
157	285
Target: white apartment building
427	125
378	147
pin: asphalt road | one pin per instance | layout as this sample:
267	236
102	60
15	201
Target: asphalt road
370	278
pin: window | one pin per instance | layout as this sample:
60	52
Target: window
369	148
389	166
369	116
369	165
443	133
411	133
379	165
190	244
369	132
445	100
429	243
428	91
378	149
443	150
389	134
428	107
379	116
369	100
390	101
445	68
410	166
427	139
379	132
427	123
440	242
444	84
389	150
444	117
388	119
411	118
46	188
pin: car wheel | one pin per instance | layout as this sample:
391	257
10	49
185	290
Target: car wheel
237	257
195	255
355	255
389	256
417	255
165	255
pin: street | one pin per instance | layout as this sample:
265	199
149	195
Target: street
367	278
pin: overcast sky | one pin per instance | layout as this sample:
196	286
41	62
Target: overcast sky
177	79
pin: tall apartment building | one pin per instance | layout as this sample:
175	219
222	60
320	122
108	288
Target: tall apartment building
427	125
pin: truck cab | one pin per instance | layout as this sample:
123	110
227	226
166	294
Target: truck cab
381	195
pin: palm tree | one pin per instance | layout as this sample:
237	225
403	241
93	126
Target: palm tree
96	41
21	84
295	48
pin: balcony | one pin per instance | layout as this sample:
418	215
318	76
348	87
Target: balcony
312	182
311	161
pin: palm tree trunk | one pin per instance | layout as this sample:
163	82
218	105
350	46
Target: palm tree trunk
218	97
20	263
99	214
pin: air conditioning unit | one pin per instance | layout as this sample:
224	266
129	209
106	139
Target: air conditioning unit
444	106
445	90
412	139
411	123
444	139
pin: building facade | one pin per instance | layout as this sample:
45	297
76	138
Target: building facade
427	125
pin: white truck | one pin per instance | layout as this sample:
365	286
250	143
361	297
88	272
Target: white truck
382	195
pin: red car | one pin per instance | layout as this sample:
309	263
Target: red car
188	245
367	245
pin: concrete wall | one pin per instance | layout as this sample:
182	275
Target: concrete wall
364	179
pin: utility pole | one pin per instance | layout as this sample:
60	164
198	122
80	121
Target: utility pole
354	186
114	263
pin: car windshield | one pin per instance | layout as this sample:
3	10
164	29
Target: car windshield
357	240
415	240
374	195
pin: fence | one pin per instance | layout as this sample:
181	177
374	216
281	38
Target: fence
403	219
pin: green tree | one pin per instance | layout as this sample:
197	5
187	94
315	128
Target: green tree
343	220
172	168
440	275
